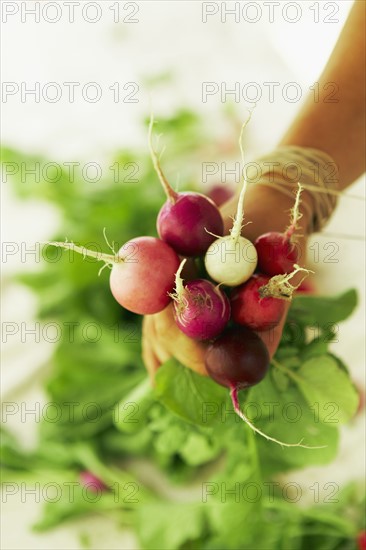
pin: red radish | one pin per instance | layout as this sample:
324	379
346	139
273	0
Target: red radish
202	310
92	482
277	252
361	540
251	310
142	275
187	221
220	194
307	287
232	259
238	359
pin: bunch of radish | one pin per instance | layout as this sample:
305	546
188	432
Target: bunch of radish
243	291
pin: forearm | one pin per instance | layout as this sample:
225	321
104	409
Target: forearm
338	128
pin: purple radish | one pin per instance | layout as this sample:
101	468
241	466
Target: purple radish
187	221
202	310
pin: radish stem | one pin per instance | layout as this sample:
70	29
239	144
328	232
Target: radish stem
169	191
235	231
179	288
279	286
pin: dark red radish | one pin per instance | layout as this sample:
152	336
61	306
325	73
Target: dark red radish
142	273
278	252
189	222
250	309
92	482
220	194
202	310
238	359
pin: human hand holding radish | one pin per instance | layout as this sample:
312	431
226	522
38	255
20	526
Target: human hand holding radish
267	210
190	225
207	327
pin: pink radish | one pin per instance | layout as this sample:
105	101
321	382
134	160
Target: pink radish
187	220
277	252
202	310
250	309
92	482
142	275
232	259
238	359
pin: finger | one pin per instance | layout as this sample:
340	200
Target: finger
150	360
172	340
155	327
148	356
192	355
161	351
154	348
272	336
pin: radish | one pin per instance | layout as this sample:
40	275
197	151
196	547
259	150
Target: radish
232	259
307	287
220	194
142	274
361	540
238	359
277	252
250	309
92	482
187	221
202	310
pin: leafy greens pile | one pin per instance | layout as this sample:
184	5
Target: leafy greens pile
184	427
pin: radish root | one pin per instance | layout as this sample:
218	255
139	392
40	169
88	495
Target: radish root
295	214
235	402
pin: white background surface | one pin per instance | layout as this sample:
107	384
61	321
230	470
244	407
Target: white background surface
169	36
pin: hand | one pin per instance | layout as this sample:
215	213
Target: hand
162	339
268	210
